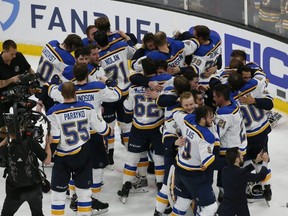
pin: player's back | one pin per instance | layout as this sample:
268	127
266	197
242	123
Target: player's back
75	128
146	114
53	61
93	93
255	118
114	62
206	57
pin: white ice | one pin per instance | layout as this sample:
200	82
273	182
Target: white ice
143	204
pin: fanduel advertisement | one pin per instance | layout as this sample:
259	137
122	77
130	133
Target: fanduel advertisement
36	22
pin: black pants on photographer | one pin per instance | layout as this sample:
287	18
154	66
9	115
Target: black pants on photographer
33	196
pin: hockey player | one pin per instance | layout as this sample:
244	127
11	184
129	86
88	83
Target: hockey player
93	93
173	52
254	100
113	59
192	179
171	135
103	24
230	125
145	131
148	45
90	31
256	71
207	57
71	122
54	58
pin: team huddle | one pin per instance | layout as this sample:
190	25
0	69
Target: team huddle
175	107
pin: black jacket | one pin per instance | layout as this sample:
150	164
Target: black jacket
234	183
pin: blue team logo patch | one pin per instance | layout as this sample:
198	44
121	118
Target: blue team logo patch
11	19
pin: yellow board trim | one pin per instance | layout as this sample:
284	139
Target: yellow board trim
280	105
28	49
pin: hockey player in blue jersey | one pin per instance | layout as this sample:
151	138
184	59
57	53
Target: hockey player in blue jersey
71	123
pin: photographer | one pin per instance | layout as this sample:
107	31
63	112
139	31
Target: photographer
12	64
23	182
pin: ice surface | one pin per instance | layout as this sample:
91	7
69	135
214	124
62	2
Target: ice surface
143	204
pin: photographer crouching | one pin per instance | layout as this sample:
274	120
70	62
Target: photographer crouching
23	182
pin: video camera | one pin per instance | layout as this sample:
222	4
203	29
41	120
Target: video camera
22	90
23	117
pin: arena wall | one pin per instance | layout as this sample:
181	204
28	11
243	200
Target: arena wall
31	23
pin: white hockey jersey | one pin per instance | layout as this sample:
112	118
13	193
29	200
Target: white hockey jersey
197	154
146	114
53	61
231	128
255	118
206	57
70	126
114	62
93	93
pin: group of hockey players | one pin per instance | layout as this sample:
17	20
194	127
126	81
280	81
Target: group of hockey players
174	105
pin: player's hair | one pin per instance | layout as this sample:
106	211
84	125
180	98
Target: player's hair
236	81
89	28
185	95
149	66
160	38
68	90
101	38
147	38
232	154
162	64
181	84
73	42
245	68
202	112
235	63
239	53
195	92
84	51
7	44
190	73
202	31
222	90
90	47
102	24
80	71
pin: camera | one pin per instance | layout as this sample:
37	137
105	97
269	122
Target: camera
23	117
21	91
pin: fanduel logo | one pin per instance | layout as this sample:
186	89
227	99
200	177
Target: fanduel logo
11	19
